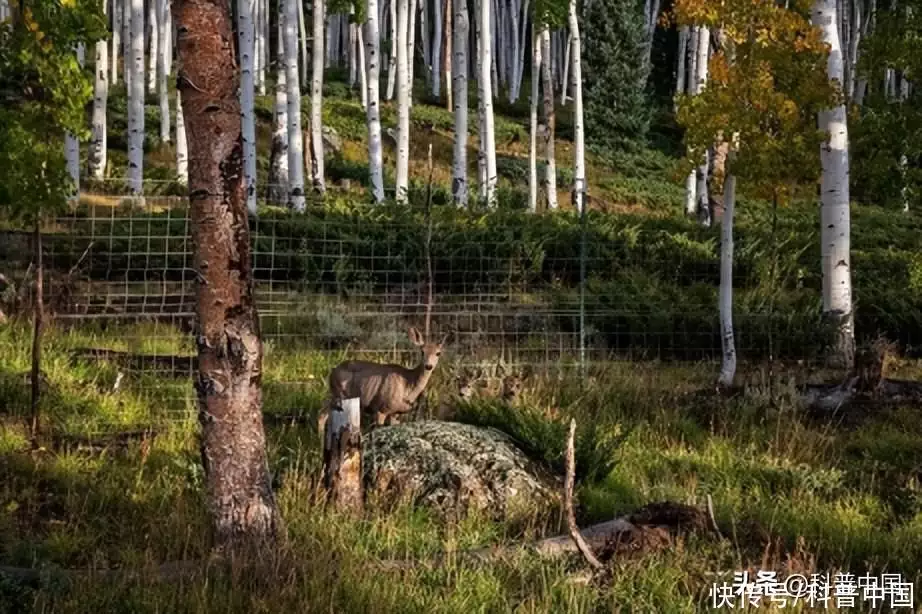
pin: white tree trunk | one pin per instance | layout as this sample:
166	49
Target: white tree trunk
117	12
425	40
533	123
547	83
127	57
579	133
854	39
302	30
491	42
153	19
98	152
448	57
459	85
278	182
246	40
834	212
904	160
411	48
489	137
701	199
363	73
392	67
478	70
163	69
292	78
71	144
566	67
525	43
182	147
403	103
680	61
373	104
136	100
353	56
435	65
262	48
728	344
317	173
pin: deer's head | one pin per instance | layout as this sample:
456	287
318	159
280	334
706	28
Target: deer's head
431	352
467	384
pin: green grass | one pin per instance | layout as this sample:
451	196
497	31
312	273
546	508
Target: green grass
851	495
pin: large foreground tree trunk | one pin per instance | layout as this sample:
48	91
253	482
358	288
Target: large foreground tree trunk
228	382
835	219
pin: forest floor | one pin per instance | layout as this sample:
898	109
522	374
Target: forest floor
791	492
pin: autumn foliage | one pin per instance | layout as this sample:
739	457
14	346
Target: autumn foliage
767	82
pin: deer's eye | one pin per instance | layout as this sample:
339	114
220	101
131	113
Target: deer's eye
438	353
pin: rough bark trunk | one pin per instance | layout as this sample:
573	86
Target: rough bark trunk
486	73
403	104
228	382
342	457
98	152
278	162
373	103
246	47
317	173
182	145
533	123
728	344
835	216
550	178
579	136
295	141
459	85
136	101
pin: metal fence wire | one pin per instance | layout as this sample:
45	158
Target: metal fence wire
524	291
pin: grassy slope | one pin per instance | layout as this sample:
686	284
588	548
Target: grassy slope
851	494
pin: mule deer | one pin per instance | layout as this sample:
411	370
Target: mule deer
466	387
386	390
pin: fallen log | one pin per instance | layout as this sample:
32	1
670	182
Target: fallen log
830	398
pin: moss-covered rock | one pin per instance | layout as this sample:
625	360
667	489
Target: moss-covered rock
454	468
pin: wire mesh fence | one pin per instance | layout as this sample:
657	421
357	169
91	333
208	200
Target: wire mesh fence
537	292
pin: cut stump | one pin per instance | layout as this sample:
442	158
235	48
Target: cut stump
342	456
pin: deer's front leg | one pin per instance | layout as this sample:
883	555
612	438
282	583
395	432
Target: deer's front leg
380	418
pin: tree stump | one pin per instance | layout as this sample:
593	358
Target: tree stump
342	456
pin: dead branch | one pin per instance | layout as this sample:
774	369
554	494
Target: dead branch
575	534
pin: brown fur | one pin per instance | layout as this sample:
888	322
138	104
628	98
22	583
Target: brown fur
386	390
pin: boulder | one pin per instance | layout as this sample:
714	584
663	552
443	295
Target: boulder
454	468
332	143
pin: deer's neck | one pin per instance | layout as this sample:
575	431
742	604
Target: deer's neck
420	380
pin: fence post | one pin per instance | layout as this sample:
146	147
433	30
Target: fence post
582	287
342	456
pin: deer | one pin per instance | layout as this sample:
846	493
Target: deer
466	387
387	391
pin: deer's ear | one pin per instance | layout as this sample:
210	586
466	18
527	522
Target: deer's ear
415	337
444	338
